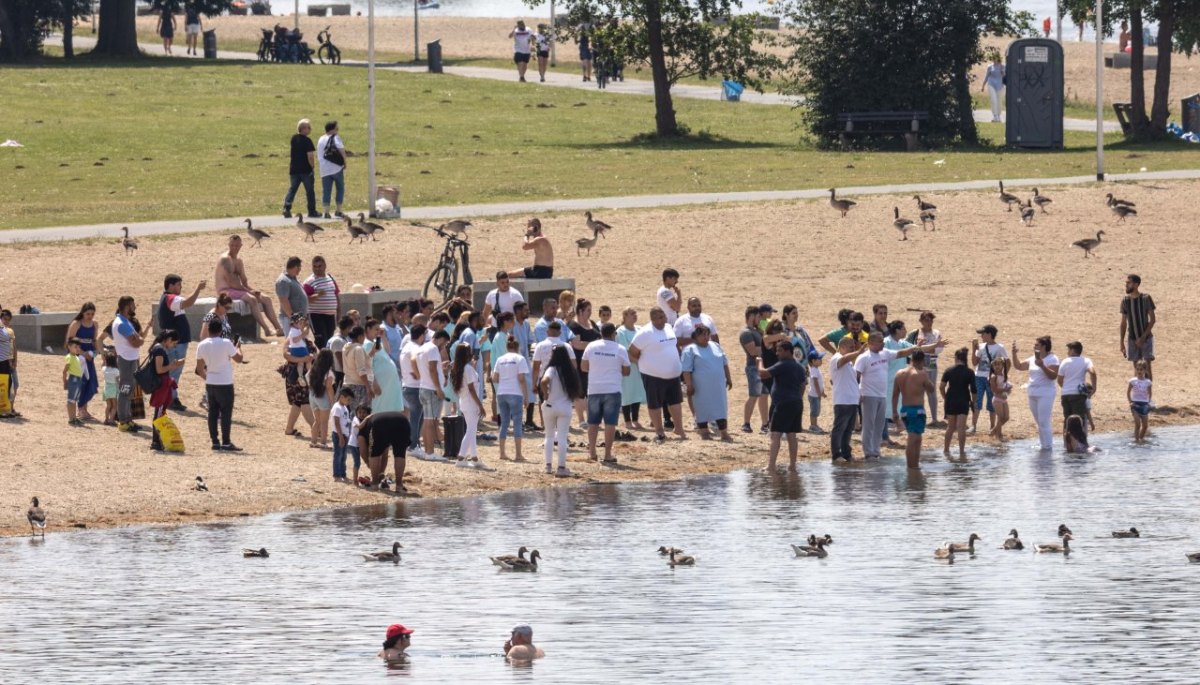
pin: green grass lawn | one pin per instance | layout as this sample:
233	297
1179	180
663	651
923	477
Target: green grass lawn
173	139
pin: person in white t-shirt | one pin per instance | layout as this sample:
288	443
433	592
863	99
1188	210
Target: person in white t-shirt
511	376
1043	370
522	39
983	350
687	323
214	363
606	363
845	396
1140	393
669	298
657	357
502	298
333	171
410	352
873	381
816	389
344	438
1075	374
431	373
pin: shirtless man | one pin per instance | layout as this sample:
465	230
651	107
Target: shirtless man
912	384
231	279
520	646
543	253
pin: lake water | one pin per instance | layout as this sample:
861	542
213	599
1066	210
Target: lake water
180	604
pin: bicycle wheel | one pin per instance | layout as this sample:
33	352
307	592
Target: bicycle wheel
441	284
324	54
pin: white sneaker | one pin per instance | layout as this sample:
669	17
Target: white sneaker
417	452
463	464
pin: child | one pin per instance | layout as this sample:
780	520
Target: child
998	381
342	428
112	377
605	314
816	390
360	415
73	372
1089	390
1140	394
297	346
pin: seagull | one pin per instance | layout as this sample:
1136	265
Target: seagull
901	224
1088	244
37	518
256	234
200	484
128	243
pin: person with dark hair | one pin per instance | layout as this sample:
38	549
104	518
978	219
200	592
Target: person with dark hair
409	359
668	298
1077	378
695	316
172	313
584	332
379	433
166	27
830	340
356	367
543	252
1043	371
387	391
324	301
1137	325
549	315
336	345
605	362
164	366
846	396
331	161
872	366
751	340
852	326
432	379
654	349
465	382
341	419
982	356
511	376
633	391
73	376
908	403
320	397
84	329
894	339
398	639
127	338
957	390
292	298
524	335
706	377
560	388
787	403
1075	439
922	336
501	298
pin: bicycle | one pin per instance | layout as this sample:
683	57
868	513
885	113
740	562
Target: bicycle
443	280
266	47
328	51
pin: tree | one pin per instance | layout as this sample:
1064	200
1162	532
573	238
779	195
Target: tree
118	23
676	39
23	24
890	55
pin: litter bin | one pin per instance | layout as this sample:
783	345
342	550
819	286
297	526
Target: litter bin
210	44
433	51
1190	113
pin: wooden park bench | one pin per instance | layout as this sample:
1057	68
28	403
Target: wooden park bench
907	124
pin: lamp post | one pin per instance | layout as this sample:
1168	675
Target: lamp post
553	36
416	33
296	15
371	106
1058	17
1099	90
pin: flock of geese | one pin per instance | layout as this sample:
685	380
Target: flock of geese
927	213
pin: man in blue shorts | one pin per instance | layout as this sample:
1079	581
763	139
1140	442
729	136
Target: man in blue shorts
912	384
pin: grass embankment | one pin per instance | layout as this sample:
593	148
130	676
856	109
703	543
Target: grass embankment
173	139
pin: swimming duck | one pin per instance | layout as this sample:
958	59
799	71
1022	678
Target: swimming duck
256	234
1063	530
1131	533
841	205
1064	548
529	565
1123	211
356	231
260	553
1013	542
1112	201
392	556
128	243
817	551
371	226
923	205
681	560
901	224
946	551
969	548
36	517
596	225
1027	213
308	228
509	558
1041	201
1089	244
200	484
664	551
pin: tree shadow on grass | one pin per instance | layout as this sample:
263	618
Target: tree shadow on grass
688	141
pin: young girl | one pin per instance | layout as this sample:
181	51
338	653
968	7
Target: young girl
297	346
1075	438
1140	394
73	377
465	380
320	398
998	381
360	415
816	390
111	388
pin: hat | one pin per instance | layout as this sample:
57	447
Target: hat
766	309
816	354
397	629
523	629
989	329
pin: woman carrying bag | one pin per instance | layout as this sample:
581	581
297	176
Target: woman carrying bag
159	360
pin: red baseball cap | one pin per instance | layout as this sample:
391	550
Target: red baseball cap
397	629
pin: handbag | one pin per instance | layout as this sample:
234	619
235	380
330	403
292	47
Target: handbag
146	376
332	153
137	404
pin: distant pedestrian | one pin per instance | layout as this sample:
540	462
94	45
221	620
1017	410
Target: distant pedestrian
706	376
585	51
543	38
300	170
166	28
1137	325
324	300
993	83
605	362
331	160
192	26
654	350
522	39
292	298
214	357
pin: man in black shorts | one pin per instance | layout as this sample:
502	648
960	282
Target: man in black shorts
654	350
543	253
376	435
957	390
787	402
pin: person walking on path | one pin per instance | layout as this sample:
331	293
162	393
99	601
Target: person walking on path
993	83
911	386
633	392
522	39
166	28
324	300
301	169
707	379
751	340
543	38
585	51
231	279
982	356
127	339
85	330
172	313
923	336
331	162
787	403
1043	371
191	26
214	357
1077	378
654	349
957	387
606	363
1137	325
873	367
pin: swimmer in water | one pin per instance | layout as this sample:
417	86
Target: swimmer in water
398	639
520	645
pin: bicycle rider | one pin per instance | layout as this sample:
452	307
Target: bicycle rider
543	253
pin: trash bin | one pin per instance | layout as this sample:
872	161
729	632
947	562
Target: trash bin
433	52
210	44
1190	113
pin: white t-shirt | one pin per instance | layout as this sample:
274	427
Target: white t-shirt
1041	385
686	324
326	167
815	381
874	369
521	40
503	301
845	383
1141	389
408	368
1073	372
125	350
217	354
295	338
986	354
558	394
660	356
605	359
353	439
470	375
542	350
663	299
339	418
509	368
335	345
429	352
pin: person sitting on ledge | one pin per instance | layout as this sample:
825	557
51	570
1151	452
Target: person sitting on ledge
543	253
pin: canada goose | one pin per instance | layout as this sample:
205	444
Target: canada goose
588	243
1013	542
664	551
842	205
529	565
128	243
1123	211
817	551
371	226
508	558
928	217
946	551
260	553
308	228
356	231
1113	201
456	227
969	548
36	517
1193	556
1063	530
1008	198
1027	213
256	234
596	225
200	485
1064	548
813	540
1089	244
901	224
392	556
681	560
1131	533
923	205
1041	201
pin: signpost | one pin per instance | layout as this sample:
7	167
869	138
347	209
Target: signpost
1099	90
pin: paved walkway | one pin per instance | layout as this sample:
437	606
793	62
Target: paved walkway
436	214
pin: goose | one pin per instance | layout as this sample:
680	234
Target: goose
371	226
1027	213
392	556
928	217
588	243
1113	201
1123	211
1193	556
596	225
260	553
256	234
1131	533
36	517
946	551
200	485
1008	198
1088	244
969	548
308	228
1013	542
456	227
1064	548
664	551
681	560
529	565
813	540
901	224
817	552
356	231
1063	530
923	205
509	558
842	205
128	243
1041	201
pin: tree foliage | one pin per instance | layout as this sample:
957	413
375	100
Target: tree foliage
24	23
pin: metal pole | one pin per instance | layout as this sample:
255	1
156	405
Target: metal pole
1058	17
416	34
1099	90
553	28
371	106
296	14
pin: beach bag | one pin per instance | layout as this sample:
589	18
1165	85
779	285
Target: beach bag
146	376
454	428
5	405
137	404
168	432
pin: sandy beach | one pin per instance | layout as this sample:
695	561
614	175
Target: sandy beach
980	266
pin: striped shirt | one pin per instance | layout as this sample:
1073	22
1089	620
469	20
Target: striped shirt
6	344
1137	312
327	301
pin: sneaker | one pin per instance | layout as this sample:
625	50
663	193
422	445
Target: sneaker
549	468
327	216
230	447
216	447
764	430
287	213
177	405
129	427
563	472
338	214
417	452
463	464
746	428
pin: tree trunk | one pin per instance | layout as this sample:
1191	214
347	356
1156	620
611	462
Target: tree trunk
966	107
68	29
12	46
1139	124
118	29
1160	109
664	109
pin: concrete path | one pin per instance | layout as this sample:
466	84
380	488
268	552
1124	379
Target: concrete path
438	214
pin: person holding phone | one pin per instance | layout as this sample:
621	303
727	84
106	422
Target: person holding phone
214	355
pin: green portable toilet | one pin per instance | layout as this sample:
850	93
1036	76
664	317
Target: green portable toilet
1034	94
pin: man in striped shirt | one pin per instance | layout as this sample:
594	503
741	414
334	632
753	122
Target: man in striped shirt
1137	324
323	301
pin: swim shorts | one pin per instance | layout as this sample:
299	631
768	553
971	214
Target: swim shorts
539	271
914	418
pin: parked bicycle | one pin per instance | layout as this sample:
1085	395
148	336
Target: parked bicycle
266	47
443	282
328	53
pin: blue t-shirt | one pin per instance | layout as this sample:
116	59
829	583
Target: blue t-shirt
790	379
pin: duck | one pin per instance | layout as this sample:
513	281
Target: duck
128	243
529	565
842	205
901	224
664	551
817	551
371	226
256	234
946	551
588	243
1131	533
458	226
928	217
681	560
260	553
1027	213
308	228
36	517
969	548
356	231
392	556
200	485
1064	548
1123	211
1193	556
923	205
595	224
1013	542
1008	198
1041	201
1089	244
1113	201
508	558
1063	530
